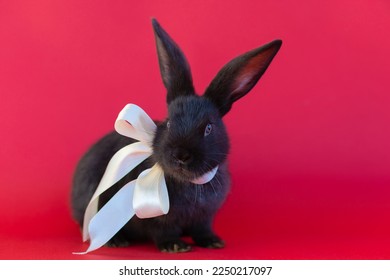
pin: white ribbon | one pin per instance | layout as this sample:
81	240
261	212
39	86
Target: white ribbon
145	197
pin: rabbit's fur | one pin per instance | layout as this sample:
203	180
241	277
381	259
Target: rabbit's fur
190	142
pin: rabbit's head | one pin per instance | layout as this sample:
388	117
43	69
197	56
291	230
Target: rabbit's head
193	140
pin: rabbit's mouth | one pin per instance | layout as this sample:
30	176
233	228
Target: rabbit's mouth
181	172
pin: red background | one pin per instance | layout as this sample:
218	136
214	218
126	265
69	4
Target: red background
310	152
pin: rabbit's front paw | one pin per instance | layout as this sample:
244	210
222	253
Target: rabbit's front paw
175	246
118	241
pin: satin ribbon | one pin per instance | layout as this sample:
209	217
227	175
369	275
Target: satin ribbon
145	197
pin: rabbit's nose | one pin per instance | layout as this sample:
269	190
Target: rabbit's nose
182	156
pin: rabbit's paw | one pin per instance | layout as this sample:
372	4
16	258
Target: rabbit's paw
210	241
175	246
118	241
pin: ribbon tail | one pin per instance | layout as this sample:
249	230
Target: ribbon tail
111	218
120	164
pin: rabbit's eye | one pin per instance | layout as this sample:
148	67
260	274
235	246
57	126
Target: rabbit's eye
168	124
208	129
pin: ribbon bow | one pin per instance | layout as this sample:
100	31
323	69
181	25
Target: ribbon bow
145	197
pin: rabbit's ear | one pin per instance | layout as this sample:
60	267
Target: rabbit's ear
240	75
174	68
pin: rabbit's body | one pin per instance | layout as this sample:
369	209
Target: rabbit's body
191	142
192	206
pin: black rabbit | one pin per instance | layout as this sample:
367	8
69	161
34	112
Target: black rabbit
190	142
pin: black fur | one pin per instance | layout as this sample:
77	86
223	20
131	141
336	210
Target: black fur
190	142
